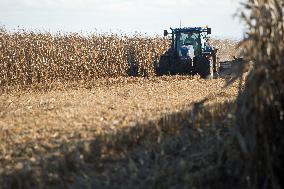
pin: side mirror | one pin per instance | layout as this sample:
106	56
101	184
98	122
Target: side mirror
166	33
208	30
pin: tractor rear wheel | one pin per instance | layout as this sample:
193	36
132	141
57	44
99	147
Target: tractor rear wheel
163	67
204	67
133	70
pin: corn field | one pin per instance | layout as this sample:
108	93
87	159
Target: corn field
31	58
156	132
260	106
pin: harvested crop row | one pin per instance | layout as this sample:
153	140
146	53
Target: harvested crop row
33	124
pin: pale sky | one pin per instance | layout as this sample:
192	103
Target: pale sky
127	16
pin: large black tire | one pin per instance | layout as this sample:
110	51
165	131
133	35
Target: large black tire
158	71
204	67
163	68
133	70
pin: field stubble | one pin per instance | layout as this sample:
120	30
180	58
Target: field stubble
36	124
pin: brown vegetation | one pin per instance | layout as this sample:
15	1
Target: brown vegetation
52	138
259	123
44	58
122	132
32	58
77	96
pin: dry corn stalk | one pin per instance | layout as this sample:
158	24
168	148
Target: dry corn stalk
31	58
260	112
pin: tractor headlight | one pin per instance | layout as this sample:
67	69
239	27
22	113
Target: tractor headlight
207	56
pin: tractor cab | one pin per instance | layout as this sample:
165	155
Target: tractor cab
187	44
194	39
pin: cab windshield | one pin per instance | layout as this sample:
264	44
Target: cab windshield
192	38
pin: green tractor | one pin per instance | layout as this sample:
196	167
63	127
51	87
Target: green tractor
190	53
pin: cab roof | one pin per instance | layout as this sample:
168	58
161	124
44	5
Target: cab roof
191	29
